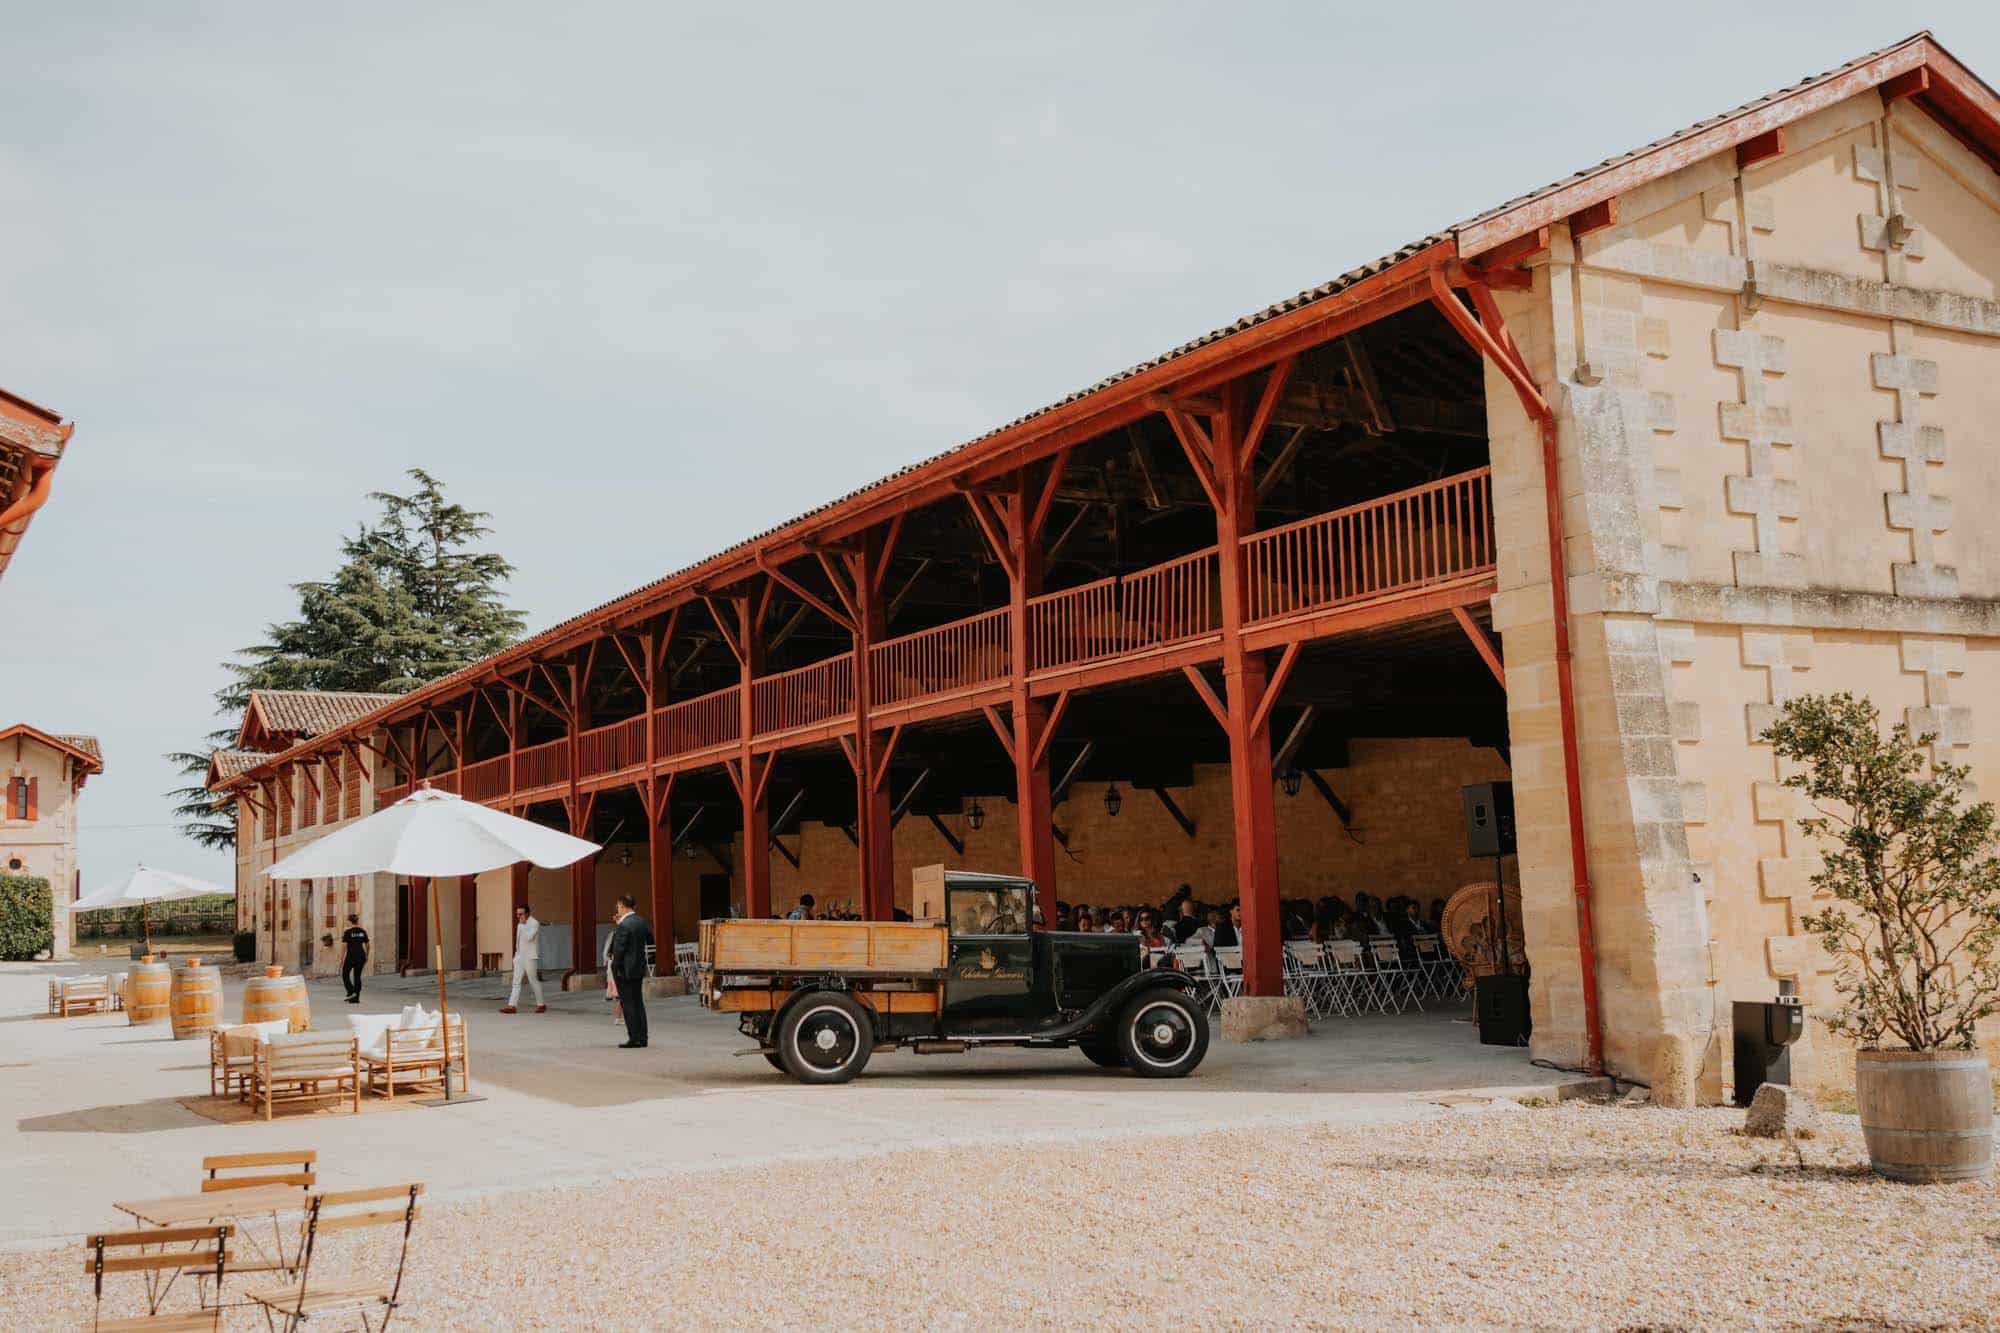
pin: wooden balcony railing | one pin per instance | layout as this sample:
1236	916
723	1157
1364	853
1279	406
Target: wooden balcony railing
387	796
542	765
485	780
611	748
801	697
1164	604
941	660
700	723
1428	534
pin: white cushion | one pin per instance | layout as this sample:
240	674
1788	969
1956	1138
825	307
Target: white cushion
245	1038
372	1030
415	1016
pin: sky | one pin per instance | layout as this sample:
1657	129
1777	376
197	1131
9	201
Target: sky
643	280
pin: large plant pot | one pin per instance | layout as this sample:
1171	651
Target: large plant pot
1927	1115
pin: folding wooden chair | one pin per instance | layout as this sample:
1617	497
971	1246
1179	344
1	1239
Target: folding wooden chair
305	1159
345	1210
139	1252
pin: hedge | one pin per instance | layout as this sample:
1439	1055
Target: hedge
27	917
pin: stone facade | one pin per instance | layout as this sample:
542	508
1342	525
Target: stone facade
41	784
1773	385
305	913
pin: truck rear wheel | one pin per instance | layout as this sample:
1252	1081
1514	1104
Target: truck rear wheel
825	1038
1162	1034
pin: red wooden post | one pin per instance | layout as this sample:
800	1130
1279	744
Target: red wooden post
518	886
583	913
660	854
873	830
1032	806
468	922
748	771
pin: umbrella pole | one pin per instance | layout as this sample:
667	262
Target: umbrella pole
145	929
444	1015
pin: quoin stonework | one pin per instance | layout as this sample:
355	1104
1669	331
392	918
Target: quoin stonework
1248	615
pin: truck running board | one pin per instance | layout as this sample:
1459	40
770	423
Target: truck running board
939	1047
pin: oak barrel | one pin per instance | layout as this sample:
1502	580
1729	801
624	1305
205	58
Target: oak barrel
267	999
1927	1115
197	1001
147	987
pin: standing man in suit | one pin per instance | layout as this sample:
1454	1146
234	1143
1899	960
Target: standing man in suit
629	942
527	959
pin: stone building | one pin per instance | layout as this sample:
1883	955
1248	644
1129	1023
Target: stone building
1690	431
292	920
41	780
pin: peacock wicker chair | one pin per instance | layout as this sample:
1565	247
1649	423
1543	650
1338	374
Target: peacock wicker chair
1471	931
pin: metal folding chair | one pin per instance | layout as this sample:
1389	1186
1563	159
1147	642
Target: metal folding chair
1396	980
1352	983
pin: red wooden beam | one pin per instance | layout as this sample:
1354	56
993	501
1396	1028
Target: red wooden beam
843	619
1907	84
1769	144
1267	402
1200	450
1207	693
991	527
1596	217
1487	652
1041	750
1000	729
1262	717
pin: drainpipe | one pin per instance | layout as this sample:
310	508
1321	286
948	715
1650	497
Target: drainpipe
44	471
1488	336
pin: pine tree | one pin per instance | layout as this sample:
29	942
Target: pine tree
412	600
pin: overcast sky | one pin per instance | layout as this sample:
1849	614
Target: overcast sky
642	280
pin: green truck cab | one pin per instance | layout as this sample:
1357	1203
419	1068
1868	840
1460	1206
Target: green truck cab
819	997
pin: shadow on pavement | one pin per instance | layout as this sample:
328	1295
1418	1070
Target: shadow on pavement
145	1117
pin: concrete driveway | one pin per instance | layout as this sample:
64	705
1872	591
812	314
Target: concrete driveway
90	1109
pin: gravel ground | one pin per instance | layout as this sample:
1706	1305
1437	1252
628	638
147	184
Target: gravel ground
1489	1215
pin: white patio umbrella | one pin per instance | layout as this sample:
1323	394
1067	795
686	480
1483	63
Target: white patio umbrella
433	834
147	885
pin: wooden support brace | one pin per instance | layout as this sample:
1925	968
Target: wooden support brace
1180	816
1041	749
1061	788
1200	450
785	852
843	619
1273	686
1282	760
1907	84
1338	806
956	843
881	773
902	805
992	527
1488	652
1267	402
1594	218
1000	729
1207	693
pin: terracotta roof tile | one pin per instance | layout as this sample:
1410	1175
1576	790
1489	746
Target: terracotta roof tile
306	713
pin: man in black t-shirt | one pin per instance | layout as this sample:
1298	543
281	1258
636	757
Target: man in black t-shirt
355	940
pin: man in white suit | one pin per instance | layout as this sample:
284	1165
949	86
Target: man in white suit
527	960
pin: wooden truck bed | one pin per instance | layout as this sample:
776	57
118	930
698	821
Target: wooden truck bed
877	948
743	964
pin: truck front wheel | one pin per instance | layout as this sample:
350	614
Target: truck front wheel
1162	1034
825	1038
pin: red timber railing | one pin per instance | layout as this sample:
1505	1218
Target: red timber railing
803	696
1427	534
611	748
941	660
542	765
1165	604
485	780
385	796
700	723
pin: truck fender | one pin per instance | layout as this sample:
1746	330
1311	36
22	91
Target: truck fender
806	992
1109	1003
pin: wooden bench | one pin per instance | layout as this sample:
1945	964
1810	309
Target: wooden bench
423	1053
142	1253
306	1067
83	995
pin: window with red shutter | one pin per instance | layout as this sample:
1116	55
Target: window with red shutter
34	799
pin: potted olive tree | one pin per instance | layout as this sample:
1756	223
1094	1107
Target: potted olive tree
1909	861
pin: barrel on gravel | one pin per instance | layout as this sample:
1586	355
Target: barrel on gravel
147	989
267	999
1927	1115
197	1000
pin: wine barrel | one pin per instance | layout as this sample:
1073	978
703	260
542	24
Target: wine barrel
197	1001
147	989
1927	1115
267	999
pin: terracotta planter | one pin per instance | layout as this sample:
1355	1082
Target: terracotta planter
274	971
145	958
1927	1115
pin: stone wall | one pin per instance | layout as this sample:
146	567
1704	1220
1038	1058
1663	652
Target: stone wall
1408	836
1773	386
46	844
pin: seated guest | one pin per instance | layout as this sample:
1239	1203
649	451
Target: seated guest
1149	932
804	911
1437	915
1085	922
1065	917
1119	923
1204	934
1185	922
1413	919
1172	907
1229	934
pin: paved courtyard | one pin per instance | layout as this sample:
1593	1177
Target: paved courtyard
90	1109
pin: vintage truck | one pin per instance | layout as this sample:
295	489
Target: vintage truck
819	996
